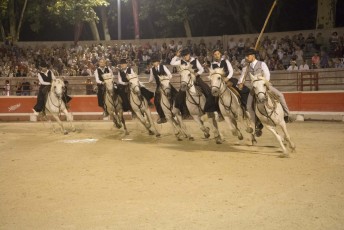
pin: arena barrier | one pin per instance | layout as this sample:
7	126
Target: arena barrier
322	105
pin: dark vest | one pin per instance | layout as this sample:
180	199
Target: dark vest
193	64
100	73
124	74
157	73
45	77
223	64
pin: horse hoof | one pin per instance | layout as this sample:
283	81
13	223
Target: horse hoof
284	155
258	133
240	137
179	139
191	138
65	132
207	135
249	130
158	135
151	132
218	142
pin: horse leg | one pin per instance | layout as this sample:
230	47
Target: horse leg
60	123
183	126
69	119
143	121
214	125
151	122
287	136
175	125
123	122
116	120
280	140
248	123
200	123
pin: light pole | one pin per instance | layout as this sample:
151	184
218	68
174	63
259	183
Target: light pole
119	19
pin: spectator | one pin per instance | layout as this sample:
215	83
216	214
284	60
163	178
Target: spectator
319	41
89	87
293	66
324	60
7	88
26	87
304	65
315	61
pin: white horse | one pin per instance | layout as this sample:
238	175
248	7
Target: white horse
113	103
230	105
55	106
195	101
270	111
172	113
140	105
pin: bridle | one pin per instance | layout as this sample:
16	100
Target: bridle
224	89
189	85
222	84
267	114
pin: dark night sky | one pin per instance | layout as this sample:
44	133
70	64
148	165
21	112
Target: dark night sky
294	15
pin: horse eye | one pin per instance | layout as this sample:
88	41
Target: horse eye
218	78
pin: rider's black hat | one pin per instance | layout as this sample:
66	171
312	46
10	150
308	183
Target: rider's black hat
43	64
123	61
185	52
155	58
250	52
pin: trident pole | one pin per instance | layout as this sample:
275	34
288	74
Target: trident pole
266	22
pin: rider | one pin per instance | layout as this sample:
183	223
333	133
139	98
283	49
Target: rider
123	80
98	74
45	77
220	62
157	70
183	57
122	85
254	66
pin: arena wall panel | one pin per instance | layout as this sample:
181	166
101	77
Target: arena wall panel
15	108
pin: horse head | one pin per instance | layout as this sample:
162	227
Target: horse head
134	83
57	87
260	86
165	85
108	81
216	81
187	77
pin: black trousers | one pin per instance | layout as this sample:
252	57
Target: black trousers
42	92
210	103
123	92
100	95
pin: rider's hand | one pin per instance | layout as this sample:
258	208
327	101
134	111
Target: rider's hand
178	53
240	86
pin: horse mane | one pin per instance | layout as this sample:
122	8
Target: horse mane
107	76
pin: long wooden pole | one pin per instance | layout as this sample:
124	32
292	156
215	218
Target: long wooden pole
266	22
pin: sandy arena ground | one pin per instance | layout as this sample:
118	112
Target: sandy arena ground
97	178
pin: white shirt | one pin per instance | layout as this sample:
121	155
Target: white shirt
151	75
265	70
304	67
178	61
292	68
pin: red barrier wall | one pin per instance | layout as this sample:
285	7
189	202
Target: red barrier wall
297	101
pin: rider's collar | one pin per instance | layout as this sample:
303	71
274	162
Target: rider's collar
252	64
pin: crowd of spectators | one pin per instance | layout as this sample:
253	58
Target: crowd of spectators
295	52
